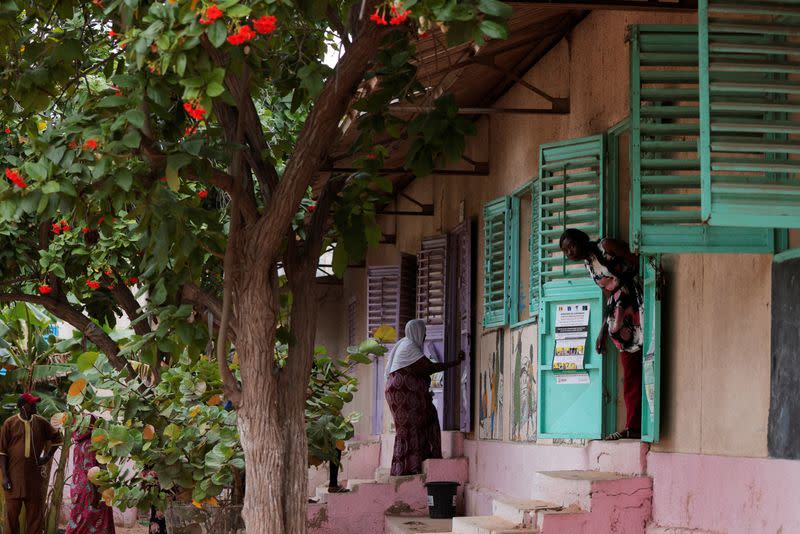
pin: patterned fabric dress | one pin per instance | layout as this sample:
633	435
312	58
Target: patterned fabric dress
417	423
624	304
89	514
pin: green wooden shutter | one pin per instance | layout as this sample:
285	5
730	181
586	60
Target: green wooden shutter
665	163
750	112
496	224
651	363
533	250
570	185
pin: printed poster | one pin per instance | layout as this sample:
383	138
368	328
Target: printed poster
572	330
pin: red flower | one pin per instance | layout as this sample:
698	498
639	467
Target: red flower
202	194
111	286
16	178
133	280
195	111
311	208
90	144
190	130
55	228
112	33
101	219
44	289
64	226
265	24
163	179
212	13
371	156
7	130
400	17
109	272
85	230
93	284
378	18
245	34
72	144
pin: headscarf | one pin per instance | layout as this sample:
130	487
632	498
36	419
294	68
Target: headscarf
409	349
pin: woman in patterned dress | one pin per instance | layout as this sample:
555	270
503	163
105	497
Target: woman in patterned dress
89	514
408	374
615	269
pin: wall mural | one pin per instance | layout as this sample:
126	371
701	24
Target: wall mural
491	386
523	385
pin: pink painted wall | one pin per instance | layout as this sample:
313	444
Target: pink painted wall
724	494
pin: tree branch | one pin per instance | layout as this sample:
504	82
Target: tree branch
313	145
69	314
203	302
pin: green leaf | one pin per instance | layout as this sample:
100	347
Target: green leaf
86	360
217	33
173	180
132	139
495	8
51	187
35	170
180	64
339	262
214	89
493	29
159	294
55	153
125	179
136	118
113	101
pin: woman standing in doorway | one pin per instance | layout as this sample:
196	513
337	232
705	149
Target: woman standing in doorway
408	379
614	268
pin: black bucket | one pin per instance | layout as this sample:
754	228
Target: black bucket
442	499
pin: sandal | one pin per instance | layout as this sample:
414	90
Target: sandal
624	434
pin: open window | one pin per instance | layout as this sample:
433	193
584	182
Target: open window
666	123
496	272
523	253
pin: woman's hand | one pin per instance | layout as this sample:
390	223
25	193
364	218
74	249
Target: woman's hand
601	340
461	356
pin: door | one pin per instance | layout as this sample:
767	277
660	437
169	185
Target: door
460	326
572	403
651	366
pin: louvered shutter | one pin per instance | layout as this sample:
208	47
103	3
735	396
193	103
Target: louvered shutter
533	250
571	175
383	297
665	163
496	224
750	112
431	285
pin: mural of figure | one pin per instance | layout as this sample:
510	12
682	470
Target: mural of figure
523	399
491	386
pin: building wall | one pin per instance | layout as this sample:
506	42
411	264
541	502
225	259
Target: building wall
716	325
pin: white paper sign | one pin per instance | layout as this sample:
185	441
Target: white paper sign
572	378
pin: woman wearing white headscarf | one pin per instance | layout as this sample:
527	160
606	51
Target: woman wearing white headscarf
408	379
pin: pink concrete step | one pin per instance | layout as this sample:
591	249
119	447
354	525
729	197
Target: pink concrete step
405	524
521	512
594	501
488	524
363	509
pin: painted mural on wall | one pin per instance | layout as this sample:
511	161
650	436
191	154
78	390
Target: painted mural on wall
491	386
523	385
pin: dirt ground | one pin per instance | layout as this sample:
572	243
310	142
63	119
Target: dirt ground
139	529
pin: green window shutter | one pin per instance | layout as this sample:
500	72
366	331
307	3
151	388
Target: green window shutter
496	273
571	176
750	113
665	162
533	250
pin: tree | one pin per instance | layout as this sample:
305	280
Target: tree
174	150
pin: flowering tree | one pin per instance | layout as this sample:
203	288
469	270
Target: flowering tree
175	149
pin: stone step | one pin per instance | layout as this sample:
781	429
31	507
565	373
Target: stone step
488	524
571	489
565	521
406	524
521	512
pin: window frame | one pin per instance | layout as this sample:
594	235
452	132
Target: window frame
513	257
498	207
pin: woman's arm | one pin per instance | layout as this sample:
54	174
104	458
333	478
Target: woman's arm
425	367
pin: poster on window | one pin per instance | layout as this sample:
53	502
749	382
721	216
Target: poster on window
572	330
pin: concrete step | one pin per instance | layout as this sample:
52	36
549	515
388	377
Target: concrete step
382	474
575	488
488	524
406	524
521	512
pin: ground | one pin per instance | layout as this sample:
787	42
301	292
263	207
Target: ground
138	529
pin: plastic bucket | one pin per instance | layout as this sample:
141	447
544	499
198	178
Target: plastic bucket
442	499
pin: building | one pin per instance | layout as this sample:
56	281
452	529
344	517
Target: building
674	127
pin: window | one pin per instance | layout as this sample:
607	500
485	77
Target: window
496	223
391	291
666	215
432	285
524	254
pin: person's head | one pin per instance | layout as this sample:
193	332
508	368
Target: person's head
416	331
574	244
27	404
